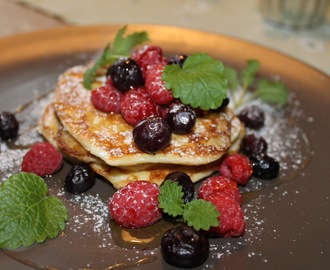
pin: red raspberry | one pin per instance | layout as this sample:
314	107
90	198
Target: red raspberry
236	167
149	55
106	98
135	205
155	86
219	184
136	105
42	159
231	217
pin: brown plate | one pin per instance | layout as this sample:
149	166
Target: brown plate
288	220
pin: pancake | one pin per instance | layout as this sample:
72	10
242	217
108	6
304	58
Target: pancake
108	136
54	132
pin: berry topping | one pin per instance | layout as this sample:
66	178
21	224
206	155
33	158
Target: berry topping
126	74
149	55
237	167
219	184
8	126
155	86
135	205
231	217
183	180
106	98
152	134
253	117
42	159
265	167
185	247
178	60
136	105
79	179
181	118
252	145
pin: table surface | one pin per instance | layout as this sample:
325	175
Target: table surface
240	19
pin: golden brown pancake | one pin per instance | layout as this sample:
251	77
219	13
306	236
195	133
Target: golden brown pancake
54	132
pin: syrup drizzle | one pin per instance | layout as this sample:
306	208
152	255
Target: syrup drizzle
127	240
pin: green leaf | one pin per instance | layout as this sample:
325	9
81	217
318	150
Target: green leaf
232	77
201	214
272	92
171	198
200	83
91	73
121	48
249	72
27	214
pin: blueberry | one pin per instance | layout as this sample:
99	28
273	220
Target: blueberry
125	74
253	145
265	167
8	125
79	179
181	118
152	134
253	117
185	247
183	180
178	60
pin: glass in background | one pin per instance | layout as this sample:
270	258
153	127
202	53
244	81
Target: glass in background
295	14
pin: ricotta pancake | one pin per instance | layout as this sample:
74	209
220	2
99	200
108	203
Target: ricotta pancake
54	132
108	136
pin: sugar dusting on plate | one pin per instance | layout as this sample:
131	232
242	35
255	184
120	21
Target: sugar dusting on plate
287	143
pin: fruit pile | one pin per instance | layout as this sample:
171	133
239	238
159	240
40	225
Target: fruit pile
139	204
134	87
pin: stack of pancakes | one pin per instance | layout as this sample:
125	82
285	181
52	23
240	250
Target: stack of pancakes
104	140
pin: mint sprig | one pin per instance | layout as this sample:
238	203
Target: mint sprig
171	198
200	82
27	214
120	48
199	214
273	92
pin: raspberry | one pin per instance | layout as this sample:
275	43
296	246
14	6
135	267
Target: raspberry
231	217
136	105
106	98
42	159
155	85
236	167
149	55
135	205
219	184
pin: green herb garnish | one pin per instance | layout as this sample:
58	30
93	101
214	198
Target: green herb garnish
27	214
199	214
273	92
200	82
120	48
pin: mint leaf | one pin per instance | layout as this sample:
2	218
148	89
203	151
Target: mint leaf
272	92
249	72
121	48
171	198
232	77
201	214
91	73
27	214
200	82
